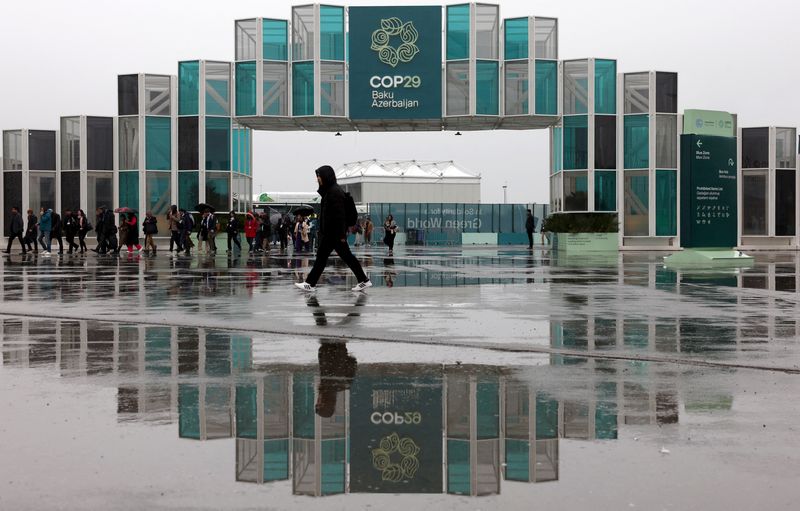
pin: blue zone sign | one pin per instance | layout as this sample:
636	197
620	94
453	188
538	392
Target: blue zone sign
395	63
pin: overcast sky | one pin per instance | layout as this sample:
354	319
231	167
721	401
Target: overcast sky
62	58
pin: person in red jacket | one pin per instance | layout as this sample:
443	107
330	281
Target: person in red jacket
250	228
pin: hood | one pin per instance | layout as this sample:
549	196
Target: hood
328	177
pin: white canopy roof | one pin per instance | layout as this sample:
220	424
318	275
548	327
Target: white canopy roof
409	169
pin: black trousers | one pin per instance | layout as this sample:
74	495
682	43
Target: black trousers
175	241
234	238
530	239
13	237
327	246
71	242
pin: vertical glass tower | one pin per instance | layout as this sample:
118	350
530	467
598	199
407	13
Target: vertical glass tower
30	167
86	178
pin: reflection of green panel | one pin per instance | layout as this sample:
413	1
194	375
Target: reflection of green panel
246	411
128	190
188	87
303	405
546	418
241	351
303	88
517	460
189	411
488	403
487	88
637	141
333	465
245	88
635	333
158	143
605	415
458	472
546	87
158	351
458	32
516	38
276	460
666	203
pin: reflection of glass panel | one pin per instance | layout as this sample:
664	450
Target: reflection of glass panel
605	191
576	142
129	190
516	35
516	88
487	31
189	411
158	143
666	203
70	143
546	418
100	143
303	88
157	95
576	192
605	142
488	468
12	150
605	86
188	190
755	148
245	88
42	189
218	190
276	37
458	88
667	93
546	460
637	141
70	191
188	143
458	398
637	93
128	143
546	87
188	87
487	396
576	87
458	32
546	37
331	29
276	89
303	32
218	81
637	203
246	411
458	467
218	143
667	141
159	198
332	89
99	191
785	203
41	150
785	148
246	39
754	204
128	94
487	88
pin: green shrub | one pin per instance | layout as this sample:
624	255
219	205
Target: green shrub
581	222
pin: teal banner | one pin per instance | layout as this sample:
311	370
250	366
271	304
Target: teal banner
708	192
395	63
396	435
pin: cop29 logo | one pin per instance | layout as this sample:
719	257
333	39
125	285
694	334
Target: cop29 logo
382	41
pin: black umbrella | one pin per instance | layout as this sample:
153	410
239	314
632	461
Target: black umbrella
303	210
203	206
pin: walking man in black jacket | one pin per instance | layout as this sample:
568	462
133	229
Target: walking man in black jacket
332	232
15	229
530	226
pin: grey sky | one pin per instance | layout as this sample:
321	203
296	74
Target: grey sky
62	58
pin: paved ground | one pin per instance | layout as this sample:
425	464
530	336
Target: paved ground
596	382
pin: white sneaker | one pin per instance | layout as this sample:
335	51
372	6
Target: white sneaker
305	286
362	286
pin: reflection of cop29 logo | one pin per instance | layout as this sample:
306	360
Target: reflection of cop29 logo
396	458
381	41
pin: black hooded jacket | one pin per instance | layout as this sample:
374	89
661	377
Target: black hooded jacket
332	217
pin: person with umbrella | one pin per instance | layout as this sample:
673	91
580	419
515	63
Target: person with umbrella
250	229
131	237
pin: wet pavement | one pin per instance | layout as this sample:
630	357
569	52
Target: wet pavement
472	378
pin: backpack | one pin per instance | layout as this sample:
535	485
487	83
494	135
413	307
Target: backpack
350	212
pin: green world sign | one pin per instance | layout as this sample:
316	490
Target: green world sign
708	122
395	63
708	192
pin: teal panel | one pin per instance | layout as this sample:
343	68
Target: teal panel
637	138
188	88
303	403
458	472
188	190
303	88
128	190
331	21
245	88
241	352
635	333
458	32
157	193
218	143
546	87
516	38
605	86
487	88
188	411
517	460
246	411
557	155
218	190
158	350
546	418
276	39
333	465
488	404
512	238
605	190
218	96
576	142
236	161
666	203
276	460
158	143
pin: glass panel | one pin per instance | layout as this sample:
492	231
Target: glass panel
42	191
276	39
332	89
487	31
576	142
331	23
128	95
70	143
218	95
667	141
129	190
99	191
605	142
303	88
458	32
188	143
458	467
157	95
667	93
245	88
128	143
546	87
458	88
637	141
605	191
158	198
785	148
605	86
246	39
303	32
516	38
188	190
41	150
637	93
12	196
100	143
755	204
666	203
637	203
576	191
70	191
276	89
12	150
785	203
218	190
576	87
218	143
755	148
556	150
546	38
188	88
516	88
158	143
488	88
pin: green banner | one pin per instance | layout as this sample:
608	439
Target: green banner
395	62
396	434
708	122
708	192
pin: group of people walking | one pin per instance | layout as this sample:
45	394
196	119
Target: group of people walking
49	226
